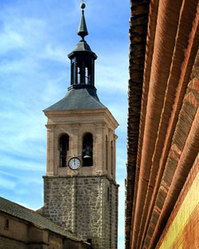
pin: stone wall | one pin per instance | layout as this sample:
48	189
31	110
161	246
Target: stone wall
84	205
58	201
110	214
7	243
17	233
10	237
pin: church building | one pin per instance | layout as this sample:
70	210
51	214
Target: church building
80	191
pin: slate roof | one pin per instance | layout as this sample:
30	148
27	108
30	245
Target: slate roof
33	217
78	99
82	46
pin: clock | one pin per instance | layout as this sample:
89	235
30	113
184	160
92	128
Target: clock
74	163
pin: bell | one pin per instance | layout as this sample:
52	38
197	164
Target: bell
87	156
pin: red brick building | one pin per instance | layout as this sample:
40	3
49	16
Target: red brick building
162	200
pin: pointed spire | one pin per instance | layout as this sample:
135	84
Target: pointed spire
82	30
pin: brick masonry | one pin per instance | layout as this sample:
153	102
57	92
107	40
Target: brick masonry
163	114
182	227
84	205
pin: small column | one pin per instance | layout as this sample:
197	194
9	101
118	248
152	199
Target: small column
92	73
75	149
98	147
82	73
114	149
75	73
50	150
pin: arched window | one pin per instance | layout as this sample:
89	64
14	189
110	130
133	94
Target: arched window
87	149
63	149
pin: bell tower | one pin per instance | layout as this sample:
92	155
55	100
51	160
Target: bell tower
80	191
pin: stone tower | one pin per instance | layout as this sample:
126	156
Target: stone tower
80	191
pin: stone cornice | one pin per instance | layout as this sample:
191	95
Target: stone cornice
85	176
85	113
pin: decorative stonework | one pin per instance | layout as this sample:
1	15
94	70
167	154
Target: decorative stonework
100	123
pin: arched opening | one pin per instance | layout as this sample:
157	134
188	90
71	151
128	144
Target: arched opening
86	76
63	149
72	72
87	150
78	75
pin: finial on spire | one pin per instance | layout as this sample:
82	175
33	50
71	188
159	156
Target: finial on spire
83	5
82	30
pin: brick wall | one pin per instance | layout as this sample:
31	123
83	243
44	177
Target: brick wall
183	225
163	117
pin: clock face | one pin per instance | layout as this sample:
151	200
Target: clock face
74	163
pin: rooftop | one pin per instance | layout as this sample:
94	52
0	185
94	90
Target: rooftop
33	217
78	99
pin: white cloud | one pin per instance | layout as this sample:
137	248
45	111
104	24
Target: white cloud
6	162
9	40
112	73
7	184
18	179
54	52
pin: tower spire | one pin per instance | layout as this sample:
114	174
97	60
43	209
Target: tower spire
82	60
82	30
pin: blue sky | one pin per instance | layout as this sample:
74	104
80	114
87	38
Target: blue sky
35	38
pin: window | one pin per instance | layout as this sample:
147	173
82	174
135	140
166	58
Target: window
63	149
87	150
6	224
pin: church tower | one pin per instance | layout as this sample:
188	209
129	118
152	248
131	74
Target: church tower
80	191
